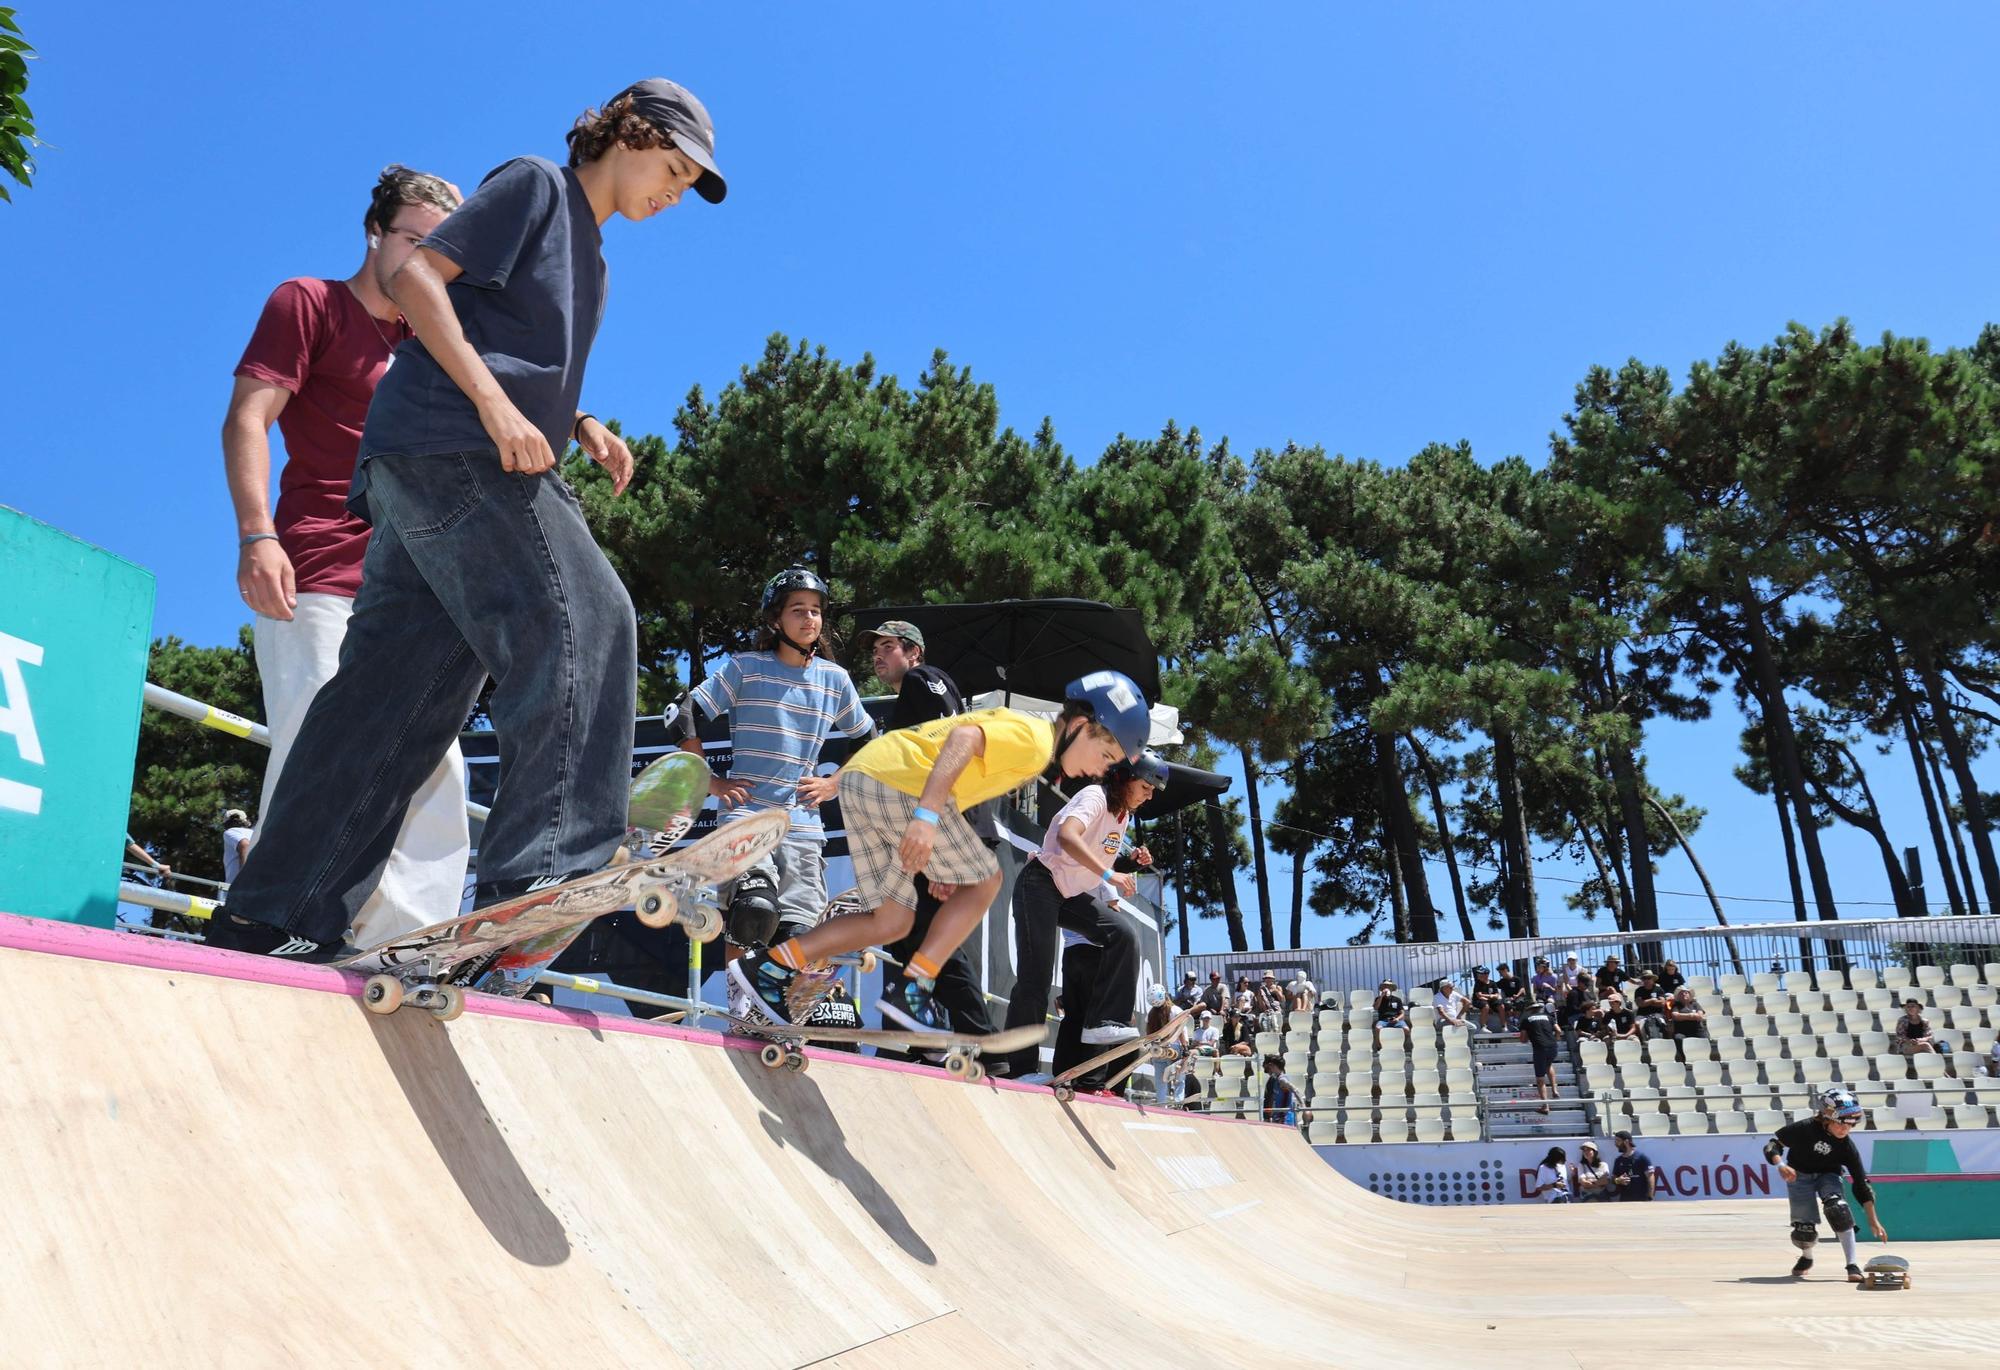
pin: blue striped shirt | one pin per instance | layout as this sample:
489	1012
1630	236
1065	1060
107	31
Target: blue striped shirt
779	716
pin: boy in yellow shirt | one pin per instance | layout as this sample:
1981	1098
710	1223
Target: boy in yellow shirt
903	798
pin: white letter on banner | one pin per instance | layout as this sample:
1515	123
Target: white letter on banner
17	718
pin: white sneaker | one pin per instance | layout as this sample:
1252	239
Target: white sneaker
1035	1077
1109	1034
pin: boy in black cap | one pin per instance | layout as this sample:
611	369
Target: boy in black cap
480	563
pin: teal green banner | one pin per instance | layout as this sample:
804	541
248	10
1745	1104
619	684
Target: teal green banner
75	622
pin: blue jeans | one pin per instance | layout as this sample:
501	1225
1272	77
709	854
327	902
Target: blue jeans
472	571
1808	1190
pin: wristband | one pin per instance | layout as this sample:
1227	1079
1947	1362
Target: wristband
924	815
249	538
576	428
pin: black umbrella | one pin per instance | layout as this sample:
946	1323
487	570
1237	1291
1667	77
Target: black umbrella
1185	786
1031	647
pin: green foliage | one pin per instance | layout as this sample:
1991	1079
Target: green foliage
187	775
17	121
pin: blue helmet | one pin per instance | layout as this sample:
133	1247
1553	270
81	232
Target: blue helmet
1117	703
1147	767
1840	1105
786	581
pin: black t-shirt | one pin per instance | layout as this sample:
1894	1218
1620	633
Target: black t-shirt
1484	991
1644	1000
1540	1028
836	1013
1579	1002
1812	1150
1388	1006
1912	1030
1509	987
1635	1164
529	298
1621	1021
1672	980
927	694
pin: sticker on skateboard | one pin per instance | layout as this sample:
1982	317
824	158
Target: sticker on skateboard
1149	1046
501	948
785	1043
1886	1272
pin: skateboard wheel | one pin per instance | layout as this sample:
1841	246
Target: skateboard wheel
974	1073
451	1003
868	963
655	908
704	924
956	1065
382	994
1065	1094
796	1061
772	1055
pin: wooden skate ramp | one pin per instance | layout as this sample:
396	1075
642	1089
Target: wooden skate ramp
216	1160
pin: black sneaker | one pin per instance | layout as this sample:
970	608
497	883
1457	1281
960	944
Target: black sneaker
910	1004
762	983
1854	1274
1805	1264
230	933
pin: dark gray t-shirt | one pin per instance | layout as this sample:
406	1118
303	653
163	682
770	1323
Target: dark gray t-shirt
530	300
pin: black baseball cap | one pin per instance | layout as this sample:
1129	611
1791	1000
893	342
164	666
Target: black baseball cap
674	111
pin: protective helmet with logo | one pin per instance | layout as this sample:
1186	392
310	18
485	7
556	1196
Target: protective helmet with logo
1117	703
1840	1105
790	579
1157	995
1147	766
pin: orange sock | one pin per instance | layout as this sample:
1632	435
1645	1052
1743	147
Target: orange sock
921	967
786	954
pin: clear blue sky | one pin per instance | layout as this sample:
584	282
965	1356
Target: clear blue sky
1274	222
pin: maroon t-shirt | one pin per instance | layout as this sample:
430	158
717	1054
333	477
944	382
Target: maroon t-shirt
316	340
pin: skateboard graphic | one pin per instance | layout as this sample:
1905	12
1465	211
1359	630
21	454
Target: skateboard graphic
1151	1046
1886	1272
500	949
784	1043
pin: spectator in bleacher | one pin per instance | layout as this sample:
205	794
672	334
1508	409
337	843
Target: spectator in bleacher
1239	1030
1590	1178
1453	1008
1671	978
1189	994
1164	1011
1207	1039
1566	979
1686	1016
1619	1023
1301	995
1993	1059
1390	1012
1546	984
1538	1030
1581	1001
1215	998
1552	1178
1487	1005
1509	985
1610	975
1589	1022
1651	1002
1913	1033
1281	1101
1632	1171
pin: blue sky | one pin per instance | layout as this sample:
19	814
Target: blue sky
1365	229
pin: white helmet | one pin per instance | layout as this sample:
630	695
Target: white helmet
1157	995
1840	1105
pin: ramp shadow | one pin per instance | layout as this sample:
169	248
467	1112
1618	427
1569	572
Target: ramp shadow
1076	1121
794	1113
465	1137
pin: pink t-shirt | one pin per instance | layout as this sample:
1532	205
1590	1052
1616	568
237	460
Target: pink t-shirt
316	340
1100	831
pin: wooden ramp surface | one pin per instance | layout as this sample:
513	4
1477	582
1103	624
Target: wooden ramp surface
216	1160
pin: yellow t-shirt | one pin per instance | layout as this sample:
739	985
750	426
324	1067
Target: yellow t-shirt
1018	748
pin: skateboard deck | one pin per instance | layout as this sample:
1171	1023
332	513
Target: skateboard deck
666	796
961	1049
1886	1272
1149	1046
501	948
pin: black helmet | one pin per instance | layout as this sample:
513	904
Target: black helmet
790	579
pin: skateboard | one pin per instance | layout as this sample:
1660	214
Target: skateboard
666	796
1146	1047
1886	1272
501	948
784	1043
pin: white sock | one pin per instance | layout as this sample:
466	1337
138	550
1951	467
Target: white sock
1847	1245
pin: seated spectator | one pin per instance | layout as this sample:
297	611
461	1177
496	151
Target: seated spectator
1566	980
1590	1179
1281	1101
1671	978
1239	1030
1509	985
1301	995
1589	1021
1619	1023
1453	1008
1581	998
1610	975
1685	1016
1545	983
1189	994
1215	996
1552	1178
1487	1005
1993	1059
1390	1011
1913	1034
1652	1002
1207	1039
1632	1171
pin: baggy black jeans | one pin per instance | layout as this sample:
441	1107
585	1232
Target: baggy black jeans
1039	911
472	571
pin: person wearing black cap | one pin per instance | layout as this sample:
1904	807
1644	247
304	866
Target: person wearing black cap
480	562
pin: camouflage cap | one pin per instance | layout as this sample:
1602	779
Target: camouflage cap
897	628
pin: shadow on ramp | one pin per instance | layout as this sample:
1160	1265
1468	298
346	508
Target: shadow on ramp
1083	1131
445	1101
794	1113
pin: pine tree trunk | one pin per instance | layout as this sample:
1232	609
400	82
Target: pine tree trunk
1783	744
1408	850
1806	953
1645	908
1399	902
1225	876
1180	882
1522	917
1611	898
1932	815
1264	923
1951	826
1870	822
1299	898
1444	840
1961	771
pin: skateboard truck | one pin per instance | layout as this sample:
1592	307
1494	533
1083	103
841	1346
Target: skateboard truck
384	994
1885	1272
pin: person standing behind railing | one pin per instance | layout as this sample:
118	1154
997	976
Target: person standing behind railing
311	367
237	835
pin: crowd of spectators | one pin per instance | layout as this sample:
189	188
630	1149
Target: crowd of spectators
1609	1004
1227	1022
1627	1178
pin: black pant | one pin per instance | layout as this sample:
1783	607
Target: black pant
621	949
1039	911
1081	994
957	988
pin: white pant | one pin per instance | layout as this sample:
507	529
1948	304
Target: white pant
424	881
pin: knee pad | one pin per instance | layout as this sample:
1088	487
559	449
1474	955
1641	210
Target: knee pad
752	916
1839	1215
1805	1236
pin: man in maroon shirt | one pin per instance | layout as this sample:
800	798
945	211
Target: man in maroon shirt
311	367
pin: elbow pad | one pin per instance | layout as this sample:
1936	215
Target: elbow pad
683	720
1864	1192
1773	1150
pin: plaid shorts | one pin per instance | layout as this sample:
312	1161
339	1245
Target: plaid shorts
876	815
